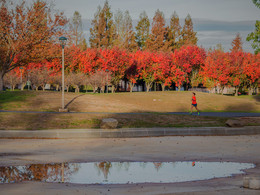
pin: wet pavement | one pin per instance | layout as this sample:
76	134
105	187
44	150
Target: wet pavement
25	152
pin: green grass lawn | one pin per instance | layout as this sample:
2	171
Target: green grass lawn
13	99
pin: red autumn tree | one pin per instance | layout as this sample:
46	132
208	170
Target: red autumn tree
132	73
236	69
26	33
177	73
216	69
89	60
189	59
115	61
251	70
146	67
163	70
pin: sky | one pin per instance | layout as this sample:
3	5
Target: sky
227	10
216	21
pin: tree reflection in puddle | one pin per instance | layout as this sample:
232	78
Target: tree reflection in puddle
37	172
121	172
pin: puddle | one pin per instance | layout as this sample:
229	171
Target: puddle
121	172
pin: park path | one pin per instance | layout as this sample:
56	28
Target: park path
213	114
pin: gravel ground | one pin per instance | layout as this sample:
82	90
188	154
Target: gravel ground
188	148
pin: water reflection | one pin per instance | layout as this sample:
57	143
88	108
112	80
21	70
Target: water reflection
38	172
104	168
121	172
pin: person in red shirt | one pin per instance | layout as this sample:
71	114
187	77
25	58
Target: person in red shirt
194	103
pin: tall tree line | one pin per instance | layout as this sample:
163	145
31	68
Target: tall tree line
117	30
254	37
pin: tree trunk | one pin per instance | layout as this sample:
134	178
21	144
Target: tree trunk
250	91
22	86
148	86
1	81
236	91
125	86
179	87
163	86
131	86
93	88
113	89
256	90
103	89
222	90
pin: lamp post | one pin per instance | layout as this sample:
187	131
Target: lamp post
21	68
28	80
107	79
63	43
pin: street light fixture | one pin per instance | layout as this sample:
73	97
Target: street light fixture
63	43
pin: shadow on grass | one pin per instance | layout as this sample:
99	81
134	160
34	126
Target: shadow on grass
66	106
241	108
257	98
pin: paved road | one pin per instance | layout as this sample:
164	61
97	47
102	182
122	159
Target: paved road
214	114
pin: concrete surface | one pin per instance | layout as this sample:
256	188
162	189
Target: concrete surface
130	132
155	149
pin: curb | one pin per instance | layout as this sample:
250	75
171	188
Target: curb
128	133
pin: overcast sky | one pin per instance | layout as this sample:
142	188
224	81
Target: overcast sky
227	16
227	10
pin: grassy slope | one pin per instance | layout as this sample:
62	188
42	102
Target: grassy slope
152	102
127	102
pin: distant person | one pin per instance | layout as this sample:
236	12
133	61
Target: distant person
194	103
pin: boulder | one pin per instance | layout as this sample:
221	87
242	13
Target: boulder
254	183
246	182
234	123
251	183
109	123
